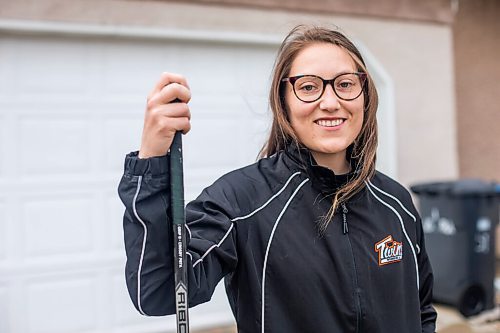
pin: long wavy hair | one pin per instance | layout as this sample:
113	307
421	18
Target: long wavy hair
363	149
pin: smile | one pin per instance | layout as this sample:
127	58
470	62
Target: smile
329	123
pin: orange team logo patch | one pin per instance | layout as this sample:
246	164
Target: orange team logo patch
389	251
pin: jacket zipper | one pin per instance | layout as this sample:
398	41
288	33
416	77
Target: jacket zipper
345	230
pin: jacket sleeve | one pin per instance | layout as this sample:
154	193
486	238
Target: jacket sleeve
149	271
428	314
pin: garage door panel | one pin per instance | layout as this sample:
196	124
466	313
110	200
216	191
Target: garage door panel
53	145
6	70
121	136
3	145
253	70
258	128
59	67
220	142
4	309
222	134
3	231
57	225
63	306
129	70
205	105
225	135
256	104
215	70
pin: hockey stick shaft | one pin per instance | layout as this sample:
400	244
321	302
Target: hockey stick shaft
178	223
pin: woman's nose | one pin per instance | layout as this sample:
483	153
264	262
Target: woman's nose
329	101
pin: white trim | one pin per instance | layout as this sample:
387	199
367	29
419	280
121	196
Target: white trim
268	247
214	246
404	231
387	151
245	217
268	201
58	28
188	230
139	270
395	199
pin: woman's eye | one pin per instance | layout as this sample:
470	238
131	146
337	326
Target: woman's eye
345	85
308	87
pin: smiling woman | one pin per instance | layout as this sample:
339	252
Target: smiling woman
337	119
327	126
310	238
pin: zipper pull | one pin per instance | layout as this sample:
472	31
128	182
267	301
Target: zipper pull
344	216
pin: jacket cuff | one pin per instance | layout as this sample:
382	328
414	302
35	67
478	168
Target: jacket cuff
154	166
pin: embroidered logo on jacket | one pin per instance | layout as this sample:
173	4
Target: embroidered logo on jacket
389	251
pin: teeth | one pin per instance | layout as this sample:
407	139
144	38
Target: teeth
330	123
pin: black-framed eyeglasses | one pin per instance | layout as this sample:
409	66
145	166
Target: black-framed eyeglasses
310	88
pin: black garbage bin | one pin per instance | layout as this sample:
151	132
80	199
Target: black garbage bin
459	220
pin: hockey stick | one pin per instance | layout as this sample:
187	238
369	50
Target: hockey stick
178	222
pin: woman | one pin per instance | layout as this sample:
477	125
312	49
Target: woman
310	238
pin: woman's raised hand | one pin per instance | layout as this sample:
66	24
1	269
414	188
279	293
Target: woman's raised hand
166	112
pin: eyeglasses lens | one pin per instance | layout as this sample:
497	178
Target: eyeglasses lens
310	88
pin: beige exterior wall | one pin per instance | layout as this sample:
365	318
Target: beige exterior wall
477	67
418	57
441	11
477	50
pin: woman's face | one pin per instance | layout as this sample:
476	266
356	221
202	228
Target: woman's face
329	125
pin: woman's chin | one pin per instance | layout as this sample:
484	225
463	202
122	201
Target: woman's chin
330	150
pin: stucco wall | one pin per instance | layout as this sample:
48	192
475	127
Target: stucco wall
477	49
441	11
418	57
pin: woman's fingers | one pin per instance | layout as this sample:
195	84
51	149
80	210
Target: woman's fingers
166	79
166	113
181	124
170	93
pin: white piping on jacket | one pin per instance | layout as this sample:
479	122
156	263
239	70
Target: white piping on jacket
139	270
404	231
214	246
268	201
245	217
269	245
395	199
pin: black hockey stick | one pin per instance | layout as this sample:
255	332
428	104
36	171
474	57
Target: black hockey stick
178	222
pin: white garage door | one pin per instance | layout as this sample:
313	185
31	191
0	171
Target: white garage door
71	107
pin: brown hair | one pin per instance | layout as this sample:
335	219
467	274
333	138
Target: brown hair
363	149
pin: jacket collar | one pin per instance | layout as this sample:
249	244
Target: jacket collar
322	178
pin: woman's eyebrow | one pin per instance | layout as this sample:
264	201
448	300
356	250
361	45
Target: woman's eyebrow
330	77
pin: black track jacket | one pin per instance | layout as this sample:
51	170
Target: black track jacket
257	228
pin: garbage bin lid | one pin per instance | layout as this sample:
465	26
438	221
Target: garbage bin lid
463	187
